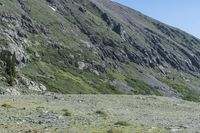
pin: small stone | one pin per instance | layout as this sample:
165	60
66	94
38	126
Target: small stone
42	87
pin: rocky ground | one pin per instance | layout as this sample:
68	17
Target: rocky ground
97	114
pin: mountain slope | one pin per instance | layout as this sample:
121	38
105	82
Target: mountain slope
96	46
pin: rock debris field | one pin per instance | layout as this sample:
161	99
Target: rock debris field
54	113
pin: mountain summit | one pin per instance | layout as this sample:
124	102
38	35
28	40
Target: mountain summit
94	46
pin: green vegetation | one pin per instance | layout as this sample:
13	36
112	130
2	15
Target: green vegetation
40	111
122	123
7	106
102	113
114	130
66	112
11	69
140	87
183	89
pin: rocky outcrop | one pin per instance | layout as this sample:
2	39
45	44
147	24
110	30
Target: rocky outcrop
94	67
116	27
123	87
12	46
31	85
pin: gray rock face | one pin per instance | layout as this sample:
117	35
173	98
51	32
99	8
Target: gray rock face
163	88
12	91
12	42
123	86
182	54
94	67
31	85
81	65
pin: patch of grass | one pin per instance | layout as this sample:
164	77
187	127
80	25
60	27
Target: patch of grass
63	81
31	131
66	112
39	108
183	89
65	78
7	105
140	87
101	113
122	123
187	94
114	131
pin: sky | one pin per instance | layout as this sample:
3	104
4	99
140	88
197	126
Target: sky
183	14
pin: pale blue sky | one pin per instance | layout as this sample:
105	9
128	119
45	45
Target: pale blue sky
184	14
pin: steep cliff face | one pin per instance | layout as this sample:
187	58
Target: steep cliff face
97	46
156	43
